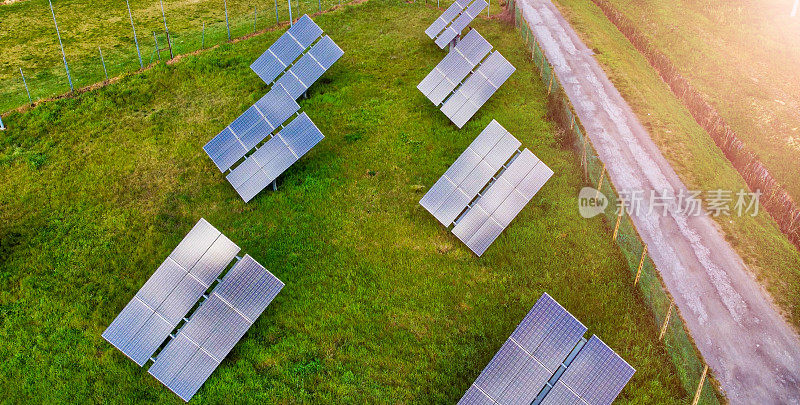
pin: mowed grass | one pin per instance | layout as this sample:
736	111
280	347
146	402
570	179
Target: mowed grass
381	304
692	153
744	56
28	36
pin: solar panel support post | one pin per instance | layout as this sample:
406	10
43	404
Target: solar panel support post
274	185
135	40
63	55
291	22
25	82
103	61
166	29
227	25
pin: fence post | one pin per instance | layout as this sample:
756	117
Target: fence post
135	40
700	386
277	19
103	61
550	85
2	127
616	227
255	18
158	51
226	19
641	263
600	183
319	5
203	37
30	101
63	55
291	21
666	321
166	29
488	6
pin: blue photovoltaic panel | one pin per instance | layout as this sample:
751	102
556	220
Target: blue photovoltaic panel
446	18
444	78
215	328
250	128
512	376
310	67
560	394
477	89
597	374
326	52
171	292
274	157
475	396
286	49
461	22
470	173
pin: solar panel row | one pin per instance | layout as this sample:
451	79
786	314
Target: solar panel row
171	292
310	67
477	89
286	49
458	63
215	328
529	359
269	161
457	17
250	128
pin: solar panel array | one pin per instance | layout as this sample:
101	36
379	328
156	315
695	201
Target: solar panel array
459	84
171	292
529	361
291	65
201	343
457	17
215	328
513	178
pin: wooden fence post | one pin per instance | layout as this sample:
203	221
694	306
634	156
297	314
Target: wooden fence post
600	183
666	321
616	227
700	386
641	262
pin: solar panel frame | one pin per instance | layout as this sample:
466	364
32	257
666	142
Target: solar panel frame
445	18
188	360
326	52
477	88
462	21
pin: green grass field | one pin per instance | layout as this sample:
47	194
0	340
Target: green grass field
28	37
744	57
381	304
692	153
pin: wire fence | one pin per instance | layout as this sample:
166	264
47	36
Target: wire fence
693	373
138	40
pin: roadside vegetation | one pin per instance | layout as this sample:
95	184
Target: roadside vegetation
692	153
381	303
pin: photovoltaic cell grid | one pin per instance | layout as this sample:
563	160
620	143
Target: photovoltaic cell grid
531	356
310	67
286	49
264	165
450	24
494	209
597	374
463	87
458	63
171	292
215	328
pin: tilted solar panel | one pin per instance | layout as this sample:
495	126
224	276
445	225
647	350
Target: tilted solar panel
470	173
216	326
561	395
475	396
446	18
250	128
597	374
310	67
286	49
273	158
444	78
171	292
477	89
461	22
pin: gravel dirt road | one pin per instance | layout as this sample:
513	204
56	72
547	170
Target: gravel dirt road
753	351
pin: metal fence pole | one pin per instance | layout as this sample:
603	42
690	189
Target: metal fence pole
2	127
291	22
103	61
203	40
277	19
166	29
135	40
30	101
63	55
255	18
226	19
158	51
488	6
319	5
